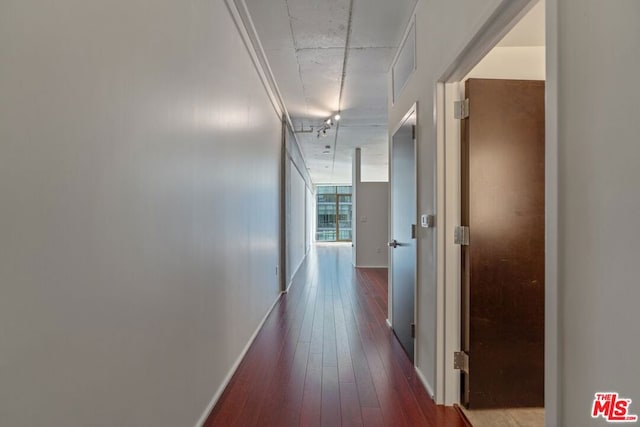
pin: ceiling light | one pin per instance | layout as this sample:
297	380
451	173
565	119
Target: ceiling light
337	117
329	122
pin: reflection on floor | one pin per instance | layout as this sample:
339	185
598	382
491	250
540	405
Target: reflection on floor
519	417
325	357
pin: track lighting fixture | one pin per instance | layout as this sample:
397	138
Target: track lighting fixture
327	125
323	130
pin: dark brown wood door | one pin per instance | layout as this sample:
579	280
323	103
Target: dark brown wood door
503	265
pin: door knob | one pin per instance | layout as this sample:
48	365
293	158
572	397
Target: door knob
393	244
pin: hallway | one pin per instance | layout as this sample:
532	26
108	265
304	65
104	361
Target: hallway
325	356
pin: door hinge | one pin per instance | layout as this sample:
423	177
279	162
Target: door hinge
413	231
413	330
461	235
461	109
461	361
413	132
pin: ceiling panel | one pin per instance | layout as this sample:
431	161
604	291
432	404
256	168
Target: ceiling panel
380	23
319	24
321	72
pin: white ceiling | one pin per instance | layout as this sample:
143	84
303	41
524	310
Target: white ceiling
305	42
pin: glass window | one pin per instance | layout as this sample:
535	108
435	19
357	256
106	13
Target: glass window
334	209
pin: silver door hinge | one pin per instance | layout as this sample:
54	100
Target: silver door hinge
461	361
461	109
413	330
461	235
413	231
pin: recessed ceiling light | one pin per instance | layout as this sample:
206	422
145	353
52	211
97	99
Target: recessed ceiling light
337	117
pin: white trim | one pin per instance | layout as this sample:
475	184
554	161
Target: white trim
232	371
405	34
441	232
405	38
389	324
552	332
240	15
449	289
293	275
410	111
425	383
371	266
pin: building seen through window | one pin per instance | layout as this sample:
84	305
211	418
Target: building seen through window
334	213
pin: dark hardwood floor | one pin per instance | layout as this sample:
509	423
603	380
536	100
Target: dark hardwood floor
325	356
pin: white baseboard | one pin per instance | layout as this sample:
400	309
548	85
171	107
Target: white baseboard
207	411
296	272
371	266
286	291
425	383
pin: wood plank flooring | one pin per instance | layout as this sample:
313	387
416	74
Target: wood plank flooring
325	357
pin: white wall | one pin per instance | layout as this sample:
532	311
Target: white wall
371	213
370	220
297	224
310	223
511	62
598	154
373	224
297	210
139	189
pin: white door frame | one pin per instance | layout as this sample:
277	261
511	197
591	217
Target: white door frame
448	89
